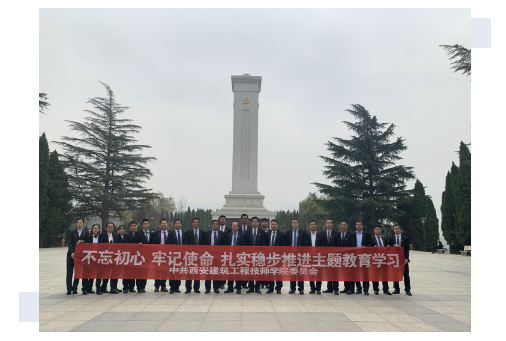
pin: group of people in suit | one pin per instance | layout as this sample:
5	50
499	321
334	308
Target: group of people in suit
248	232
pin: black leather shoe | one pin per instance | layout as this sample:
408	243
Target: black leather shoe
216	291
359	292
376	292
238	292
131	290
291	291
249	291
222	286
395	292
99	292
328	291
177	290
270	291
409	293
258	291
350	292
74	291
171	291
196	291
366	293
318	292
85	292
187	291
301	292
343	291
208	291
104	290
125	291
312	291
228	291
69	292
278	292
336	292
114	291
386	292
91	292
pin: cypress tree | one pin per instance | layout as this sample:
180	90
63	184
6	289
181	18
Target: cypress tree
463	202
43	178
448	209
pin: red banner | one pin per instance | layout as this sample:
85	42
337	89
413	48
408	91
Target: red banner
262	263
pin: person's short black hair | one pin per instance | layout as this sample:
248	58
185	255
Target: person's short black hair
110	222
80	220
265	219
121	226
177	220
344	221
215	221
274	220
254	218
222	216
378	225
143	220
313	221
244	214
195	219
332	220
359	221
92	226
296	219
163	220
397	225
133	222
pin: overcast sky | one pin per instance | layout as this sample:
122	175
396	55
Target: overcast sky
172	67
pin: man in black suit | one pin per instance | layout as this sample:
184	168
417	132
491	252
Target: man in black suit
234	238
363	239
399	240
378	240
265	226
74	236
161	237
315	238
330	240
193	237
177	239
256	237
223	224
347	239
274	238
133	237
144	236
119	238
296	237
108	238
244	228
213	237
438	246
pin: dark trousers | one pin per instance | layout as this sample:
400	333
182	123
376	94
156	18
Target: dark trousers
88	284
141	283
407	281
349	286
375	286
174	284
359	286
188	285
114	283
161	282
216	285
317	287
129	284
103	286
334	286
238	284
270	285
299	283
70	272
254	286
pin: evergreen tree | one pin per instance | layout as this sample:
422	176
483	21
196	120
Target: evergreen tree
43	105
448	214
462	58
59	208
463	197
366	183
43	178
105	166
309	209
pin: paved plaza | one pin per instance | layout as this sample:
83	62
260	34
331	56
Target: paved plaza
441	301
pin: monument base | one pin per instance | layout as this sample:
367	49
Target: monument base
251	204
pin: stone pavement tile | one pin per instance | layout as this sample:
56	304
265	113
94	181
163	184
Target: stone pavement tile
65	308
317	308
446	310
429	304
58	326
220	326
351	304
434	317
92	307
254	316
260	301
386	310
415	327
259	308
49	301
295	317
151	316
51	315
416	310
180	326
237	302
224	308
263	326
128	308
197	302
194	308
378	327
451	326
138	301
329	317
464	318
370	317
372	302
80	315
320	302
187	316
160	308
286	302
44	306
328	326
115	316
223	316
300	326
289	309
166	301
350	309
406	304
400	317
99	326
144	326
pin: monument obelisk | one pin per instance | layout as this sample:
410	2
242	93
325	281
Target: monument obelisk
244	197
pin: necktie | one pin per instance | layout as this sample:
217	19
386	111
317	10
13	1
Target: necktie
243	229
147	235
214	241
164	237
234	240
179	237
196	238
254	236
294	238
379	241
398	241
328	237
273	237
342	236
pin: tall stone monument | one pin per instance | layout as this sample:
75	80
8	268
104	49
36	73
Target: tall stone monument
244	197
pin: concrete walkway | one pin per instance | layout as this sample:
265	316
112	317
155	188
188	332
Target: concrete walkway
441	301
